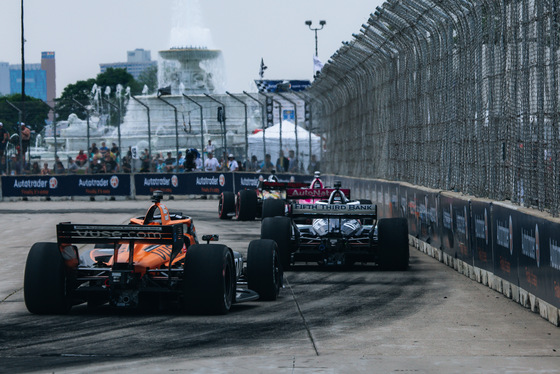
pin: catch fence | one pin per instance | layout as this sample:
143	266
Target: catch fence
456	95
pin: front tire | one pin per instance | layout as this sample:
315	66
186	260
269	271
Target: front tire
44	284
246	205
208	279
264	272
226	205
393	243
279	229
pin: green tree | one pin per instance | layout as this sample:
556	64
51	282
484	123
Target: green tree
79	91
34	113
112	77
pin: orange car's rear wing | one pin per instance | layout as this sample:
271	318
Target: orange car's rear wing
69	233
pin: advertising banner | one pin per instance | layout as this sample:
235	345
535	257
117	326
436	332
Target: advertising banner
455	227
481	234
184	183
66	185
409	198
422	214
553	277
431	224
534	254
505	244
388	203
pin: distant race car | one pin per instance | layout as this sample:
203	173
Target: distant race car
338	231
270	198
153	261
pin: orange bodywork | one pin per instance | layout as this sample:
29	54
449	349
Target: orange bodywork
150	256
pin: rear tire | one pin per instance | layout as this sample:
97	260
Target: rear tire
44	284
209	279
246	205
273	208
226	205
279	229
264	271
393	243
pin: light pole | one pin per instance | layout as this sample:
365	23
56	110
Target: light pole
279	117
54	129
201	127
21	155
262	118
296	125
149	125
176	131
322	23
118	127
90	158
223	119
246	130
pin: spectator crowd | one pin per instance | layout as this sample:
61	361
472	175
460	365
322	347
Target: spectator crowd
105	159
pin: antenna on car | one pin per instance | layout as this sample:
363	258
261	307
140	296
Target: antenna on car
157	196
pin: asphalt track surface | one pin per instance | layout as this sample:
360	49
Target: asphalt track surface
429	319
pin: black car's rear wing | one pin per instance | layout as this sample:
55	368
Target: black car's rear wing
69	233
322	210
266	185
314	193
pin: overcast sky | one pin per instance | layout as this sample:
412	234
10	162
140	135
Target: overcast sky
85	33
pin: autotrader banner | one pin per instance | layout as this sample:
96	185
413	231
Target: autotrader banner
184	183
66	185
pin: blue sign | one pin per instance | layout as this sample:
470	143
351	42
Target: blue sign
66	185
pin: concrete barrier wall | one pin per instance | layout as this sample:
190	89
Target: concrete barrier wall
513	250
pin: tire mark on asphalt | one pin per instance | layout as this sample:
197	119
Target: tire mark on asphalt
303	318
12	294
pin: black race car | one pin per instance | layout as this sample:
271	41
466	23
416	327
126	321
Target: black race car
338	231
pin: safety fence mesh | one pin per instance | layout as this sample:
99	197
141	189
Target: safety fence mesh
450	94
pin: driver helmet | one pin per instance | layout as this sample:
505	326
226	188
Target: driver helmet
272	177
338	197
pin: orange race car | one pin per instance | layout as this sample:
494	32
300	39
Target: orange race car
153	261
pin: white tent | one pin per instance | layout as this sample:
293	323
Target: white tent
288	139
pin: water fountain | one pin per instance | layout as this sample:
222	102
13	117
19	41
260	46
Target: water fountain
194	70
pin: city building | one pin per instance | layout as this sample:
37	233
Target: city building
4	78
136	62
35	81
49	66
40	78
